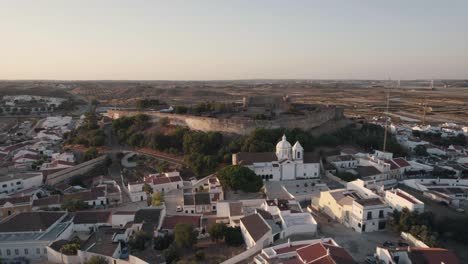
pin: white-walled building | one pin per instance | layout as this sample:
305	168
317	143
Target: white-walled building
27	235
159	182
415	255
12	182
198	203
121	218
287	163
343	162
399	199
256	231
324	250
297	223
356	207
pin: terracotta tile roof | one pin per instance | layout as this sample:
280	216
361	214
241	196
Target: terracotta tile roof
248	158
320	253
27	156
16	201
235	208
433	256
15	147
92	217
124	213
30	221
49	200
401	162
87	195
367	171
264	214
201	198
255	226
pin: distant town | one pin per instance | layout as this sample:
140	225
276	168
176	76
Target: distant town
278	172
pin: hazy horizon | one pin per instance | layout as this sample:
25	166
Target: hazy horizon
233	40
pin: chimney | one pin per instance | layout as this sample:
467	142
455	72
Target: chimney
328	251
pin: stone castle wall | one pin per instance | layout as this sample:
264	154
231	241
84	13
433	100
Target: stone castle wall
242	126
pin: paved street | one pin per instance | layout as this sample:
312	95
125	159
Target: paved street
359	245
172	199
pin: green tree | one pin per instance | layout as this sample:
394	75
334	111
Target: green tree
171	254
70	249
234	237
138	240
347	176
163	242
217	231
420	150
148	190
158	198
96	260
184	235
237	177
73	205
91	153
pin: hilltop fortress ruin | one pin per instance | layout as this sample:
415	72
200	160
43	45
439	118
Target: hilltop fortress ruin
251	113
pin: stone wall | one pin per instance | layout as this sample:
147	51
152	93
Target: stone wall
242	126
71	172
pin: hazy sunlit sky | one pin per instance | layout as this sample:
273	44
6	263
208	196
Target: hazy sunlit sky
233	39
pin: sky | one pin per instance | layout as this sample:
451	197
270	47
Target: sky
226	39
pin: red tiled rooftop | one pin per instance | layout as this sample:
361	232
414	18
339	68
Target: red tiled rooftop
27	156
317	253
401	162
433	256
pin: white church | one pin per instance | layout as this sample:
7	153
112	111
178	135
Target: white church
287	163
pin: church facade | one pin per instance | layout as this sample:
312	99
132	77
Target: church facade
287	163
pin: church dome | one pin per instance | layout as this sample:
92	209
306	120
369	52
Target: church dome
283	144
283	149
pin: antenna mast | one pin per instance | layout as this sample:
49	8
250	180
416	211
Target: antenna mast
386	122
424	111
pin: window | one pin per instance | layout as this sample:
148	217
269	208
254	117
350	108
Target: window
45	251
298	155
16	252
381	214
8	252
4	185
18	183
26	251
38	251
369	215
0	252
